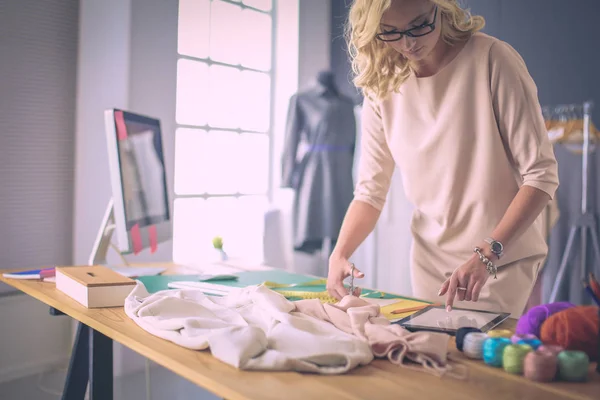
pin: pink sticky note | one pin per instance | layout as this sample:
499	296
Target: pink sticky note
136	239
153	238
121	127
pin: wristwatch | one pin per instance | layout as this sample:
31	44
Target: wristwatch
496	247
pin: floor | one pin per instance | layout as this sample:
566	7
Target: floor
163	385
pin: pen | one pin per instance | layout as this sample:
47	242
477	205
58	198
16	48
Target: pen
416	308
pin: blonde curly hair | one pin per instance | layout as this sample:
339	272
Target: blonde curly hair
379	69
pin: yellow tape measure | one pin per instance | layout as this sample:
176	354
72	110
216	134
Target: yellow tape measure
323	296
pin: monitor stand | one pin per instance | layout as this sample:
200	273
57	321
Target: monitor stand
103	243
104	237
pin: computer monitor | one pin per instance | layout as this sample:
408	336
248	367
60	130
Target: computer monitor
139	209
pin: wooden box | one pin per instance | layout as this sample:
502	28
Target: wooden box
94	286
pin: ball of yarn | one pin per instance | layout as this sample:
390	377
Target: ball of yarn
473	345
514	357
493	349
550	348
534	343
574	329
504	333
540	366
532	320
460	336
516	337
573	366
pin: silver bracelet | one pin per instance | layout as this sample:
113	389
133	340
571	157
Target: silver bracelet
489	266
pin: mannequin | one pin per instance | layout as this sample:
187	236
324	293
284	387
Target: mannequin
317	162
326	79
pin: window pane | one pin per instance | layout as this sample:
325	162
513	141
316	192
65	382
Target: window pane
260	4
192	86
218	162
253	163
226	29
190	161
240	222
193	35
224	97
254	95
206	162
256	40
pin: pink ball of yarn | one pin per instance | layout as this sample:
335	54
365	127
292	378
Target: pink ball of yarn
531	322
550	348
540	366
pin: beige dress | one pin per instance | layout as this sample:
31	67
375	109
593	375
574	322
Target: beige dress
464	140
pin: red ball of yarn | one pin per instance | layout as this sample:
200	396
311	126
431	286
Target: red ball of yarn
576	328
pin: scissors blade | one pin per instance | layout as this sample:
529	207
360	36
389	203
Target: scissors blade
352	279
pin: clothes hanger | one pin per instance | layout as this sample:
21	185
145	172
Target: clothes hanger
564	123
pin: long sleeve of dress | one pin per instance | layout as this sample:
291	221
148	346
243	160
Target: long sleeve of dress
376	164
292	139
520	120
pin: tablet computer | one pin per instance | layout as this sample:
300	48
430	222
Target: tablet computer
437	319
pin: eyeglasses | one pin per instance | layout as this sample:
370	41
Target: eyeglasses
417	31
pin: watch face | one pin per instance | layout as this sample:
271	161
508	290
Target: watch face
496	247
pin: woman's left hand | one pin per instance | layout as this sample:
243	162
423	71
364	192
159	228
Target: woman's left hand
465	283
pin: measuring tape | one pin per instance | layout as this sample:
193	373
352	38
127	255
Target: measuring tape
323	296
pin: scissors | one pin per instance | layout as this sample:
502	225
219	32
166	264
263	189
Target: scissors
352	279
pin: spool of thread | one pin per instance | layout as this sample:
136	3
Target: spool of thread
514	356
460	336
550	348
534	343
516	337
493	350
504	333
473	345
573	366
575	328
532	320
540	366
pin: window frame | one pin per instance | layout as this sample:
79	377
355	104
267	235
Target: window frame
271	72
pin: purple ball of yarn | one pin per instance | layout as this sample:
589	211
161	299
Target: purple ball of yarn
532	320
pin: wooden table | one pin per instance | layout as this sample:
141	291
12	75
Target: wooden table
379	380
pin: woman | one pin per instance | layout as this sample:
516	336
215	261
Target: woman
457	111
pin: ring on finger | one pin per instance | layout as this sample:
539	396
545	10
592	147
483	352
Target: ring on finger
461	288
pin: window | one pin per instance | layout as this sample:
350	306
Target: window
224	114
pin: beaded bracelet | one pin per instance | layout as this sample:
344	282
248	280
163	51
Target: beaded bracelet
489	266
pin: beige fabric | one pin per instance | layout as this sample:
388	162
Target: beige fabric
256	328
465	140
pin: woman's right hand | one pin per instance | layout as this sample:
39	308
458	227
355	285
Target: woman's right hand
339	269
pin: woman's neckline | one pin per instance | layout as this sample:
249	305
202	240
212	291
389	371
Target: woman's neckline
448	64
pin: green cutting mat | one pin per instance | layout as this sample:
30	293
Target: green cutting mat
157	283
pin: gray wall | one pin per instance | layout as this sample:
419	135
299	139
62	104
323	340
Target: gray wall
38	43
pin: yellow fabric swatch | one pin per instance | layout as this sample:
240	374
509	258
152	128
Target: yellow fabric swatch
387	310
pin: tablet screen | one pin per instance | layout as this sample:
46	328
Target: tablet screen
438	319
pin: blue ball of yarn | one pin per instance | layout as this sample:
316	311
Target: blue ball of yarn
534	343
493	349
